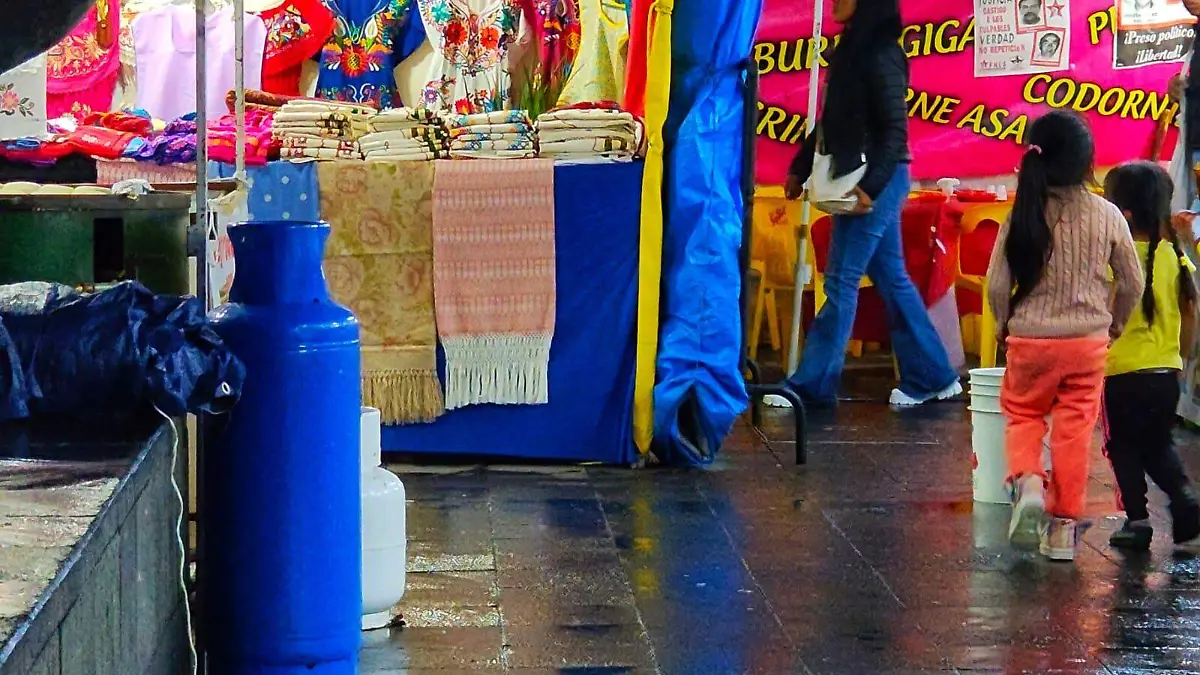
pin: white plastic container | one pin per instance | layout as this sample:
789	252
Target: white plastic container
989	464
384	539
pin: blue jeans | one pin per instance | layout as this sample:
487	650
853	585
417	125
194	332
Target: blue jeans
870	245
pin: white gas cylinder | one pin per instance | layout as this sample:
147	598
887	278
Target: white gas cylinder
384	549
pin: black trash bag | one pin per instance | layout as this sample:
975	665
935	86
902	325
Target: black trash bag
120	351
30	27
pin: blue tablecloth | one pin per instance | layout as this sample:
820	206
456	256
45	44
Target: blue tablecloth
589	416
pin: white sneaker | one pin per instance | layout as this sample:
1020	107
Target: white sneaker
903	400
1029	510
1058	539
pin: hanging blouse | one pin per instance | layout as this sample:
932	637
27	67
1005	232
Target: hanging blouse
599	70
471	42
555	28
165	50
82	69
370	38
296	32
640	27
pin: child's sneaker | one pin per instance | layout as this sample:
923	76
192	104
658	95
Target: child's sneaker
1059	536
1029	509
1134	535
1185	523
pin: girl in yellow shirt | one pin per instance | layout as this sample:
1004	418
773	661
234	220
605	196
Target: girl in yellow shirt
1141	389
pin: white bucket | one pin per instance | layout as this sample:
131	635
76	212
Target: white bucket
989	463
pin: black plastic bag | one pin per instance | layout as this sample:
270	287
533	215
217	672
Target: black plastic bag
120	351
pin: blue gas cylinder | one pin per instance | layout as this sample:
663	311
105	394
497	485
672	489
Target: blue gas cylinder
281	573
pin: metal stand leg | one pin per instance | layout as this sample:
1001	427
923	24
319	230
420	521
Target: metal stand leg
755	387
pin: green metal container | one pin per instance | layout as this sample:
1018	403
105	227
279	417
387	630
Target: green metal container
88	239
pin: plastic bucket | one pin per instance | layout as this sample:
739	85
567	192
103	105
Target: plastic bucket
987	377
989	464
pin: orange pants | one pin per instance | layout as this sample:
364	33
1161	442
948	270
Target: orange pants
1062	379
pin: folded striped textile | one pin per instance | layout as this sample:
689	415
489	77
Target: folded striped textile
586	114
544	124
313	154
588	145
398	156
316	142
391	115
520	143
411	145
510	128
492	154
582	134
589	158
309	105
407	134
507	136
497	117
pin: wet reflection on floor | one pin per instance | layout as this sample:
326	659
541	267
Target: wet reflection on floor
871	560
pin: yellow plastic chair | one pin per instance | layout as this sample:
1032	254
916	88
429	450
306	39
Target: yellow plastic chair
985	335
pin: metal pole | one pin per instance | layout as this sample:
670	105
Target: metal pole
802	273
202	225
239	57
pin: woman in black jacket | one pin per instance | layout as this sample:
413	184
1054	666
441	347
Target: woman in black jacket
865	115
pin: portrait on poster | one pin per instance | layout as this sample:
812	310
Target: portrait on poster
1047	47
1031	15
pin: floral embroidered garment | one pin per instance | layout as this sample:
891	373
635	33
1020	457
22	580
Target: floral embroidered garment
23	100
471	43
296	31
555	26
370	38
599	70
82	69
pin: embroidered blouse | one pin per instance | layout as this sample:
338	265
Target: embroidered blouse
296	31
370	38
471	41
82	69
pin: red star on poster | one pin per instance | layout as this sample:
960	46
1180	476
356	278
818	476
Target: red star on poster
1056	9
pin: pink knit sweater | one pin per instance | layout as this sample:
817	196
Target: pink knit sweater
1075	297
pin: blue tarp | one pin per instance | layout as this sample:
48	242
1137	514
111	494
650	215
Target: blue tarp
590	414
700	389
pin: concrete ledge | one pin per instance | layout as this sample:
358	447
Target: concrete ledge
89	577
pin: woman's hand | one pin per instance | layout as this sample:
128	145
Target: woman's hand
1175	88
794	189
1182	224
864	205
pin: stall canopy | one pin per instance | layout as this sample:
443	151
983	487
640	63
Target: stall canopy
700	389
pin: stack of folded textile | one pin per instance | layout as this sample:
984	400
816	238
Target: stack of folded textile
591	133
405	134
504	134
261	146
310	130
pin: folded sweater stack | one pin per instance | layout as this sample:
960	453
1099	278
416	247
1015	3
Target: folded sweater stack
310	130
504	134
589	135
405	134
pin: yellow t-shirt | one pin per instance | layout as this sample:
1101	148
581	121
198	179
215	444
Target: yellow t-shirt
1143	346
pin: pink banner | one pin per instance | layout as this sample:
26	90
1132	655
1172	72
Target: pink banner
961	126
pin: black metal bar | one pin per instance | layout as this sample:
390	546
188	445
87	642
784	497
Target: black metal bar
755	387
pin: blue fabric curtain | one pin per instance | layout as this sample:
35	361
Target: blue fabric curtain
700	390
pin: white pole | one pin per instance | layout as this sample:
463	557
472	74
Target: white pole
202	146
239	86
802	272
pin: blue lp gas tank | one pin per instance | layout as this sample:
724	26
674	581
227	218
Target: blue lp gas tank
281	571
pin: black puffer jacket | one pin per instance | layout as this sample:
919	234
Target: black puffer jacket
879	93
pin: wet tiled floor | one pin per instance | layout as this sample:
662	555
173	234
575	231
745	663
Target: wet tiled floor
870	560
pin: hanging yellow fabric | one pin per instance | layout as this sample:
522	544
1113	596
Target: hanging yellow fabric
658	96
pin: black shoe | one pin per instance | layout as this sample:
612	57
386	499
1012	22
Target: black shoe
1132	537
1185	522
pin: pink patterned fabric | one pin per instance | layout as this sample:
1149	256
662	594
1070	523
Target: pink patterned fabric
112	171
494	278
81	70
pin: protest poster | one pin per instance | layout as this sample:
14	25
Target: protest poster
1150	32
1021	37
